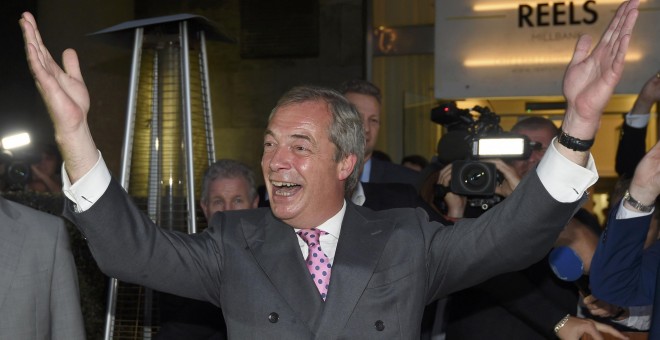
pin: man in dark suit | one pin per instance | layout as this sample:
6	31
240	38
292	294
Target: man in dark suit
386	265
632	142
623	272
38	282
227	185
366	98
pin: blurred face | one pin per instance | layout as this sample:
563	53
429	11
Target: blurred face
369	109
542	136
47	164
305	185
228	194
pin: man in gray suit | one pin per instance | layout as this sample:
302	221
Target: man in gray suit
38	281
386	265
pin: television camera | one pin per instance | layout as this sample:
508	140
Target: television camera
472	136
15	160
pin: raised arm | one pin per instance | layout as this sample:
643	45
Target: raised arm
649	94
590	79
66	97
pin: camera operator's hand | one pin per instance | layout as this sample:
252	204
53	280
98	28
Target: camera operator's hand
591	77
510	180
455	203
42	181
649	94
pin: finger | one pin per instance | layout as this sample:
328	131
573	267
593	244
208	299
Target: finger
619	59
603	328
37	35
31	50
581	50
612	30
623	38
589	299
71	64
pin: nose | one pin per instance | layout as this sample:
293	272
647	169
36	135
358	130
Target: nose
365	125
277	159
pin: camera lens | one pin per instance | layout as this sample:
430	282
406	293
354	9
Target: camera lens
475	176
18	173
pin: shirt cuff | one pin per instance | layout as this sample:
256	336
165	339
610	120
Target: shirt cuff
89	188
565	181
640	120
639	319
622	213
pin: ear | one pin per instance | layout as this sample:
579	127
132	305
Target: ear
205	209
346	166
255	202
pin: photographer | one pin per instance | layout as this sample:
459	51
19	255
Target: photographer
44	173
456	204
527	304
31	169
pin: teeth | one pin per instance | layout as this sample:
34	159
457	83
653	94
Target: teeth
283	184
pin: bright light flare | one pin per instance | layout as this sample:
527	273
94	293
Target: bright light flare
16	141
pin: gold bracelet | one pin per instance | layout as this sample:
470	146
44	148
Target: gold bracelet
561	323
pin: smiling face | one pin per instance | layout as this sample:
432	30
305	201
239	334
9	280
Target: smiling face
304	181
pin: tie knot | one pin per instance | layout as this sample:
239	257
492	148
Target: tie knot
311	236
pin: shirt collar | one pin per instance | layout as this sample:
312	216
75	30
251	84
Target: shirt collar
358	196
332	226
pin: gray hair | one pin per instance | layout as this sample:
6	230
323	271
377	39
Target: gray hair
346	131
535	123
228	168
360	86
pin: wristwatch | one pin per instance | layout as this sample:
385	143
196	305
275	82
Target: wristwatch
637	204
573	143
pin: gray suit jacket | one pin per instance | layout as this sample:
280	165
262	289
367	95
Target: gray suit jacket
388	265
38	281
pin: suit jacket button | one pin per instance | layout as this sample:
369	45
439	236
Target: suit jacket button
380	325
273	317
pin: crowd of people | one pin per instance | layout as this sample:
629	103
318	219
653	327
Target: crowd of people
346	244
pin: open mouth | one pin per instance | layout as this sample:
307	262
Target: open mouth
285	188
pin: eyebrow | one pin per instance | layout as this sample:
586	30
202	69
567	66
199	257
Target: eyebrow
295	135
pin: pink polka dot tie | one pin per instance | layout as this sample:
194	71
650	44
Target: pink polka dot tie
317	262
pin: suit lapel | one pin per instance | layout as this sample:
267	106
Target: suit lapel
275	247
360	246
12	237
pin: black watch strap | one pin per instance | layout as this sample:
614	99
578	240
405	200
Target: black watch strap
573	143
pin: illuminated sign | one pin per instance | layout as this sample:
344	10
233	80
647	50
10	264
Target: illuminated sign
495	48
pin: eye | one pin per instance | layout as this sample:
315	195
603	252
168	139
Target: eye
268	145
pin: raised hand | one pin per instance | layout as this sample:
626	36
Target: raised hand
66	97
645	185
590	79
649	94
